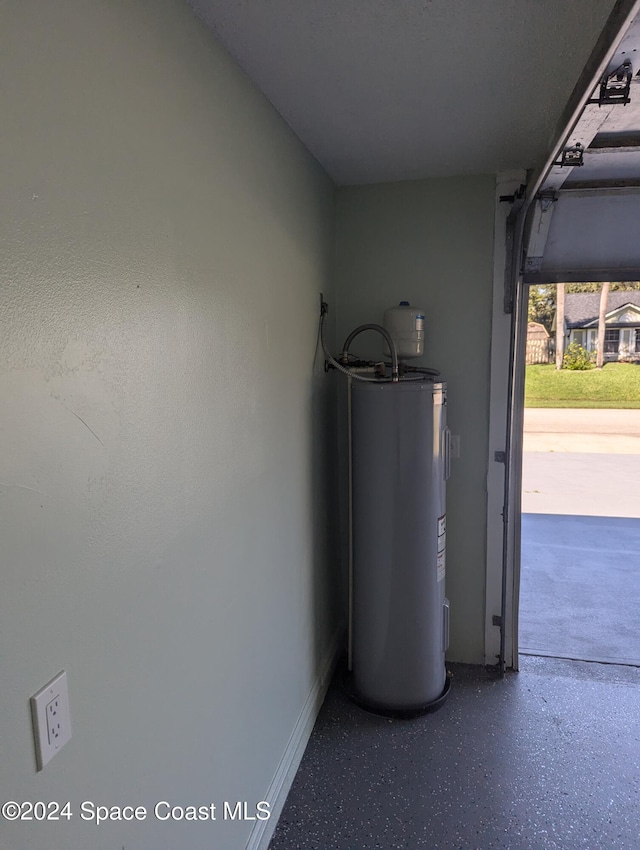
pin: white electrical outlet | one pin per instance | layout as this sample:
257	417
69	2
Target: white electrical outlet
51	720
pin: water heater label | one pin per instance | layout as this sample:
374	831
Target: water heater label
442	545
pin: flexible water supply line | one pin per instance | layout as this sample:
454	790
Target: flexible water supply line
345	371
395	371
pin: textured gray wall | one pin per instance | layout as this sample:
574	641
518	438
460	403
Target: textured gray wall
431	242
166	430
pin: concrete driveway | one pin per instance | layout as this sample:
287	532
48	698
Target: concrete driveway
580	578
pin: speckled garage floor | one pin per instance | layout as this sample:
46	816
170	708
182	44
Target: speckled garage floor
546	759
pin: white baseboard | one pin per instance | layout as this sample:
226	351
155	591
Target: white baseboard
262	831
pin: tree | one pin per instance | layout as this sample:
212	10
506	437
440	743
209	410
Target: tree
542	304
615	286
604	296
560	325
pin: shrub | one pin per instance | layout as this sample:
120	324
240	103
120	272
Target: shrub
576	357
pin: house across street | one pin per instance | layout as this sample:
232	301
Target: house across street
622	324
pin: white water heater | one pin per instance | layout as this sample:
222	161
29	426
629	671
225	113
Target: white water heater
406	326
400	464
399	452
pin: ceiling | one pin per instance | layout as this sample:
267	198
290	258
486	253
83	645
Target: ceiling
383	90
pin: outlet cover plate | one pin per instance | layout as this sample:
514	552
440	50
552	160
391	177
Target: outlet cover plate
51	720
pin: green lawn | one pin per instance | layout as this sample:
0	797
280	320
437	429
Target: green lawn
616	385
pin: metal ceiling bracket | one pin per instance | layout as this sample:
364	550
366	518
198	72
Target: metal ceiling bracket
572	157
546	200
517	195
615	87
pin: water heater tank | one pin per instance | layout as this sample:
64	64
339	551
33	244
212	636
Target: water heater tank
400	615
406	326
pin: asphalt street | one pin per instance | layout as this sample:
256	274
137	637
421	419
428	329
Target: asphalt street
581	462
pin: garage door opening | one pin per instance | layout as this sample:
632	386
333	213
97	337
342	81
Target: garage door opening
580	533
575	219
